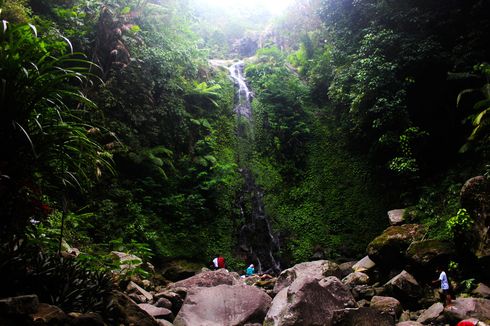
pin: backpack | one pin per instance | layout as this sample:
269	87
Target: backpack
221	262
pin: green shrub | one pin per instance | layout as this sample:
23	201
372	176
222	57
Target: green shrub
65	283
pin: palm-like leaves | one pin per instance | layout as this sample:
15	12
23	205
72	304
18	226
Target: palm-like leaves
203	92
42	102
482	107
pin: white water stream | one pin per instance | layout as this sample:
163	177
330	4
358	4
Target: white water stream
256	237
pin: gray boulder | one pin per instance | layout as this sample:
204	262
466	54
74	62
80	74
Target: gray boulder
356	278
157	312
387	305
317	269
346	268
404	287
362	317
206	279
309	301
177	270
129	312
395	216
431	314
363	265
163	303
163	322
138	292
388	249
24	304
363	292
225	305
427	254
50	315
475	197
409	323
176	298
482	291
463	308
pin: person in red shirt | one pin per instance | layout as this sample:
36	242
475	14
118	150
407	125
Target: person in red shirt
221	262
467	323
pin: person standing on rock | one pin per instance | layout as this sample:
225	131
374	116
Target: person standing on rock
445	295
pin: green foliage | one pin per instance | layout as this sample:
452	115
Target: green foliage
280	110
55	280
315	192
334	207
15	11
45	136
461	222
468	285
481	108
453	266
436	206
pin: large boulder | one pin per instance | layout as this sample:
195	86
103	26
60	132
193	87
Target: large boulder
207	279
309	300
317	269
387	305
138	292
475	197
463	308
127	312
176	299
428	255
363	265
405	288
49	315
225	305
24	304
356	278
364	316
482	290
157	312
364	292
431	314
178	270
346	268
388	249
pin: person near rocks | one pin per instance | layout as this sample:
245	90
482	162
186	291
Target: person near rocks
250	270
445	294
219	262
215	262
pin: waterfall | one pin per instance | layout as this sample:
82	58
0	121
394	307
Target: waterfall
256	238
243	106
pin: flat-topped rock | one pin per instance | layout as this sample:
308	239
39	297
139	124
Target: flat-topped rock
395	216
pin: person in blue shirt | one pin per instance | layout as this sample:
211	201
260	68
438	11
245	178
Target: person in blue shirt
250	270
445	294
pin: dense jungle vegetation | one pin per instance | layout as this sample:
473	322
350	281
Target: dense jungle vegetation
117	134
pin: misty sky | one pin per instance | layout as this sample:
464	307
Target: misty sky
274	6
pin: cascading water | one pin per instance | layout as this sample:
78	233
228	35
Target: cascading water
256	237
243	106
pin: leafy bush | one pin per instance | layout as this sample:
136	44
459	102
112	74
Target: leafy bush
461	222
55	280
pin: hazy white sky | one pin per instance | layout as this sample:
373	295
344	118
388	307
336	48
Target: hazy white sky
275	6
